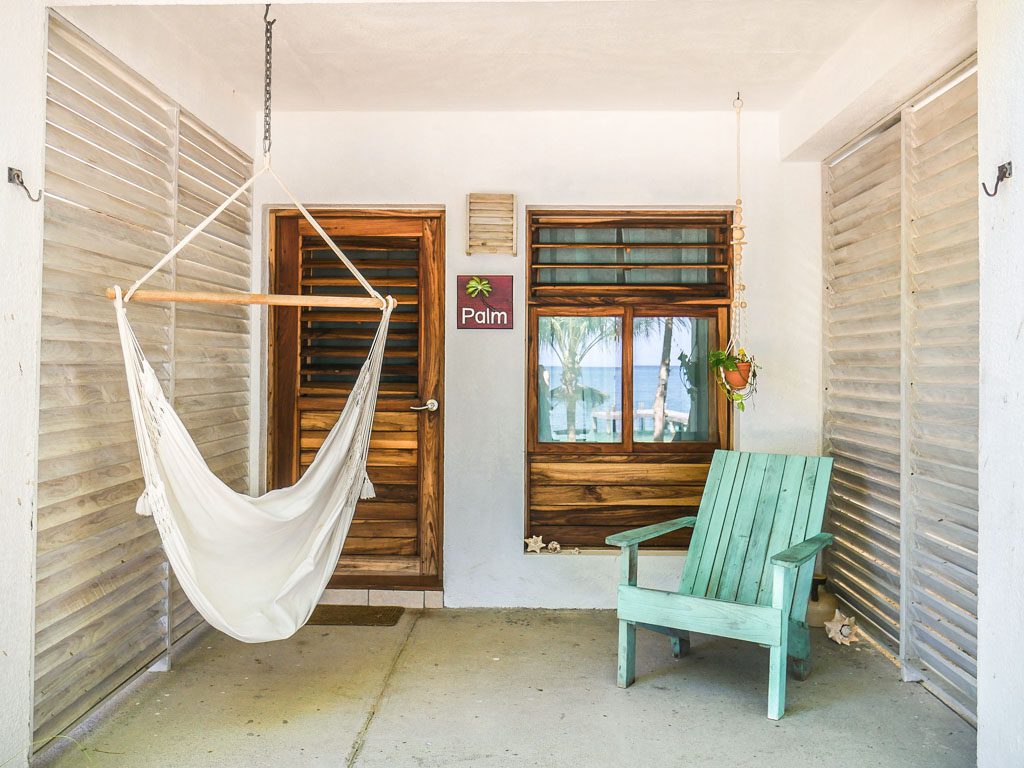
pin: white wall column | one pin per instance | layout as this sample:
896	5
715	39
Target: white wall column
1001	417
22	83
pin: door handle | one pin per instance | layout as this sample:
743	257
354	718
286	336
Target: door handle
431	405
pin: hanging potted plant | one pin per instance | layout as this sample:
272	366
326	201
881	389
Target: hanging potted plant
736	374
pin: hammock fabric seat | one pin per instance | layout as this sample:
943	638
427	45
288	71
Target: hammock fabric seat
254	567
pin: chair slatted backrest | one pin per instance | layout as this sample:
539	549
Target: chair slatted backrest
754	506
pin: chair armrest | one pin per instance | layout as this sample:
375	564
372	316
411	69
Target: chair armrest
635	536
800	553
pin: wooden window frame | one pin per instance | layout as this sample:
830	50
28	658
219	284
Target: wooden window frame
626	302
635	294
626	446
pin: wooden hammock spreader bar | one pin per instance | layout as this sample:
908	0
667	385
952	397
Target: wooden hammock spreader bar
269	299
374	301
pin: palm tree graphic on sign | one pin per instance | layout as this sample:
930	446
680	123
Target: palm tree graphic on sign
477	286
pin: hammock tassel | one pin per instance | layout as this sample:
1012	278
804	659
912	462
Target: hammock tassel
368	491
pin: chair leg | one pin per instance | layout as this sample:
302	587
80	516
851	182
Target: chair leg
799	669
680	644
777	682
627	653
782	595
799	651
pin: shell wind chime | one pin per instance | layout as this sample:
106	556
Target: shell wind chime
734	369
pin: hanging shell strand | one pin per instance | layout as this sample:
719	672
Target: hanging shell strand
739	300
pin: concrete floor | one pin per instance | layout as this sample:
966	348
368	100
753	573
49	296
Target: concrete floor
512	688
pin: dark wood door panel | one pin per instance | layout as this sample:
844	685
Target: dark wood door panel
318	353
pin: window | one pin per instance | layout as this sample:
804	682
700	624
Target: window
579	378
673	395
623	412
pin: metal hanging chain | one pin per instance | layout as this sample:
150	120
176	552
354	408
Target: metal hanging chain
268	60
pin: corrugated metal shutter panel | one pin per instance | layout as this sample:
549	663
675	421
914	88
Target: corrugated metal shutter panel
862	372
941	502
111	210
211	341
101	574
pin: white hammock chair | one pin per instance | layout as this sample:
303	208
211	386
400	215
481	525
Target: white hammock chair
253	567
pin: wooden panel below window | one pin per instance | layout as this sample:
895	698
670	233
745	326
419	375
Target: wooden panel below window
578	501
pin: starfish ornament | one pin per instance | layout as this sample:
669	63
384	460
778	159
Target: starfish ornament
534	544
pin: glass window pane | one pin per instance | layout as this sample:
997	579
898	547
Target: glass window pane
632	254
672	389
626	256
579	380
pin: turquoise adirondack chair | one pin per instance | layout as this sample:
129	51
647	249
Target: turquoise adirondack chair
749	567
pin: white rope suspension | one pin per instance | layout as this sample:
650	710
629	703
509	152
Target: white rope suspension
327	239
192	235
265	168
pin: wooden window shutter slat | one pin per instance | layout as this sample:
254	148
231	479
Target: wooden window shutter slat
491	223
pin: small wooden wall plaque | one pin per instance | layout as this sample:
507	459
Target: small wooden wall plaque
491	223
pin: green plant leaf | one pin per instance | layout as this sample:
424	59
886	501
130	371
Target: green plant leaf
720	359
478	285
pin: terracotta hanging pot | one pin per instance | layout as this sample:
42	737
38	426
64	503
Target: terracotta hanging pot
739	378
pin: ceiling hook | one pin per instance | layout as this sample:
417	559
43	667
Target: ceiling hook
14	176
1003	172
266	13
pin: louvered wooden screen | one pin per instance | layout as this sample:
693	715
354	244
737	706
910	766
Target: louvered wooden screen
334	346
211	341
110	212
491	223
101	575
862	380
941	462
654	255
901	413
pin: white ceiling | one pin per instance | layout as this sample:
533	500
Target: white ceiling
575	54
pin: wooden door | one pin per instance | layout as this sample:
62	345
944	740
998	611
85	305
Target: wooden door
395	539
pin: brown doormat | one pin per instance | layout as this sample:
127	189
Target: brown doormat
356	615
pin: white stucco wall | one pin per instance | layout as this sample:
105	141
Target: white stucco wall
898	49
559	159
21	146
1001	460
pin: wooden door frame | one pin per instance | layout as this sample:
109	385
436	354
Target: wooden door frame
424	571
